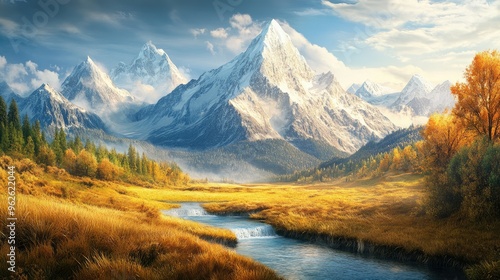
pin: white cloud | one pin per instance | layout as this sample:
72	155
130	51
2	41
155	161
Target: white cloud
243	30
197	31
233	39
210	47
23	78
321	60
8	27
240	21
116	18
220	33
312	12
412	28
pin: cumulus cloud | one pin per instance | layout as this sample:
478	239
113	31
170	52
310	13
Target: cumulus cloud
412	28
240	21
235	38
220	33
23	78
322	60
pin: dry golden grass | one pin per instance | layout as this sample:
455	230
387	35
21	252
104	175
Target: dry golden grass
57	238
71	227
384	211
95	228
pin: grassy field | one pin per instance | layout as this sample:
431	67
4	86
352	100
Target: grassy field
388	212
94	229
70	227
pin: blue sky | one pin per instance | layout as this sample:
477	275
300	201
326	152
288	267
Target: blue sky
386	41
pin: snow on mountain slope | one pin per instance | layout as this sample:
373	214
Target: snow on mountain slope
150	76
7	93
52	109
267	92
413	94
370	90
92	89
353	88
441	97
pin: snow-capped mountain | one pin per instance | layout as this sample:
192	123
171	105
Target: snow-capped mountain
441	98
91	88
420	98
7	93
414	95
267	92
353	88
150	76
52	109
370	90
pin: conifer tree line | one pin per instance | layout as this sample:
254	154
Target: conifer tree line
21	139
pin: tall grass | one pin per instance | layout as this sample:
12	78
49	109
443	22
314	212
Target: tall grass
60	240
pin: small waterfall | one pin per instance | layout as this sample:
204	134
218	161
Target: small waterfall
254	232
187	211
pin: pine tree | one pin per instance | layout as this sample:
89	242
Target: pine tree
3	112
15	141
56	147
37	137
27	132
131	158
13	115
3	126
63	144
77	144
29	149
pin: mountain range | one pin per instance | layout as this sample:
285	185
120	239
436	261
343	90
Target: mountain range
418	97
266	108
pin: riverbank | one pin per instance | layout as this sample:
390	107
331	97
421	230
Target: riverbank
79	228
382	217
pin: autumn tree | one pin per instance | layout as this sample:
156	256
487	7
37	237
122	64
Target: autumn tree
86	164
69	161
443	136
478	99
107	170
46	156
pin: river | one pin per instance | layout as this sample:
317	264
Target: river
296	259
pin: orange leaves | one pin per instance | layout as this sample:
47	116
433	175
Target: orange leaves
443	136
478	100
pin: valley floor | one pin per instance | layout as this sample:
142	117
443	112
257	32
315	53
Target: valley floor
90	229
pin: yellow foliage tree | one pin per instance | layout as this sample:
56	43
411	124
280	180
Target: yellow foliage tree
69	161
86	164
478	99
443	136
107	170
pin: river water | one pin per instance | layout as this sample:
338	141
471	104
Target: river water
295	259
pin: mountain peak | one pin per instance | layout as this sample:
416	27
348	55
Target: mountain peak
150	51
91	88
272	52
45	91
418	83
152	67
273	35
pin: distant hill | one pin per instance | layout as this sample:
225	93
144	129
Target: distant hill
399	138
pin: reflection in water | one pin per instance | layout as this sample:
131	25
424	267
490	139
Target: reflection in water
295	259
